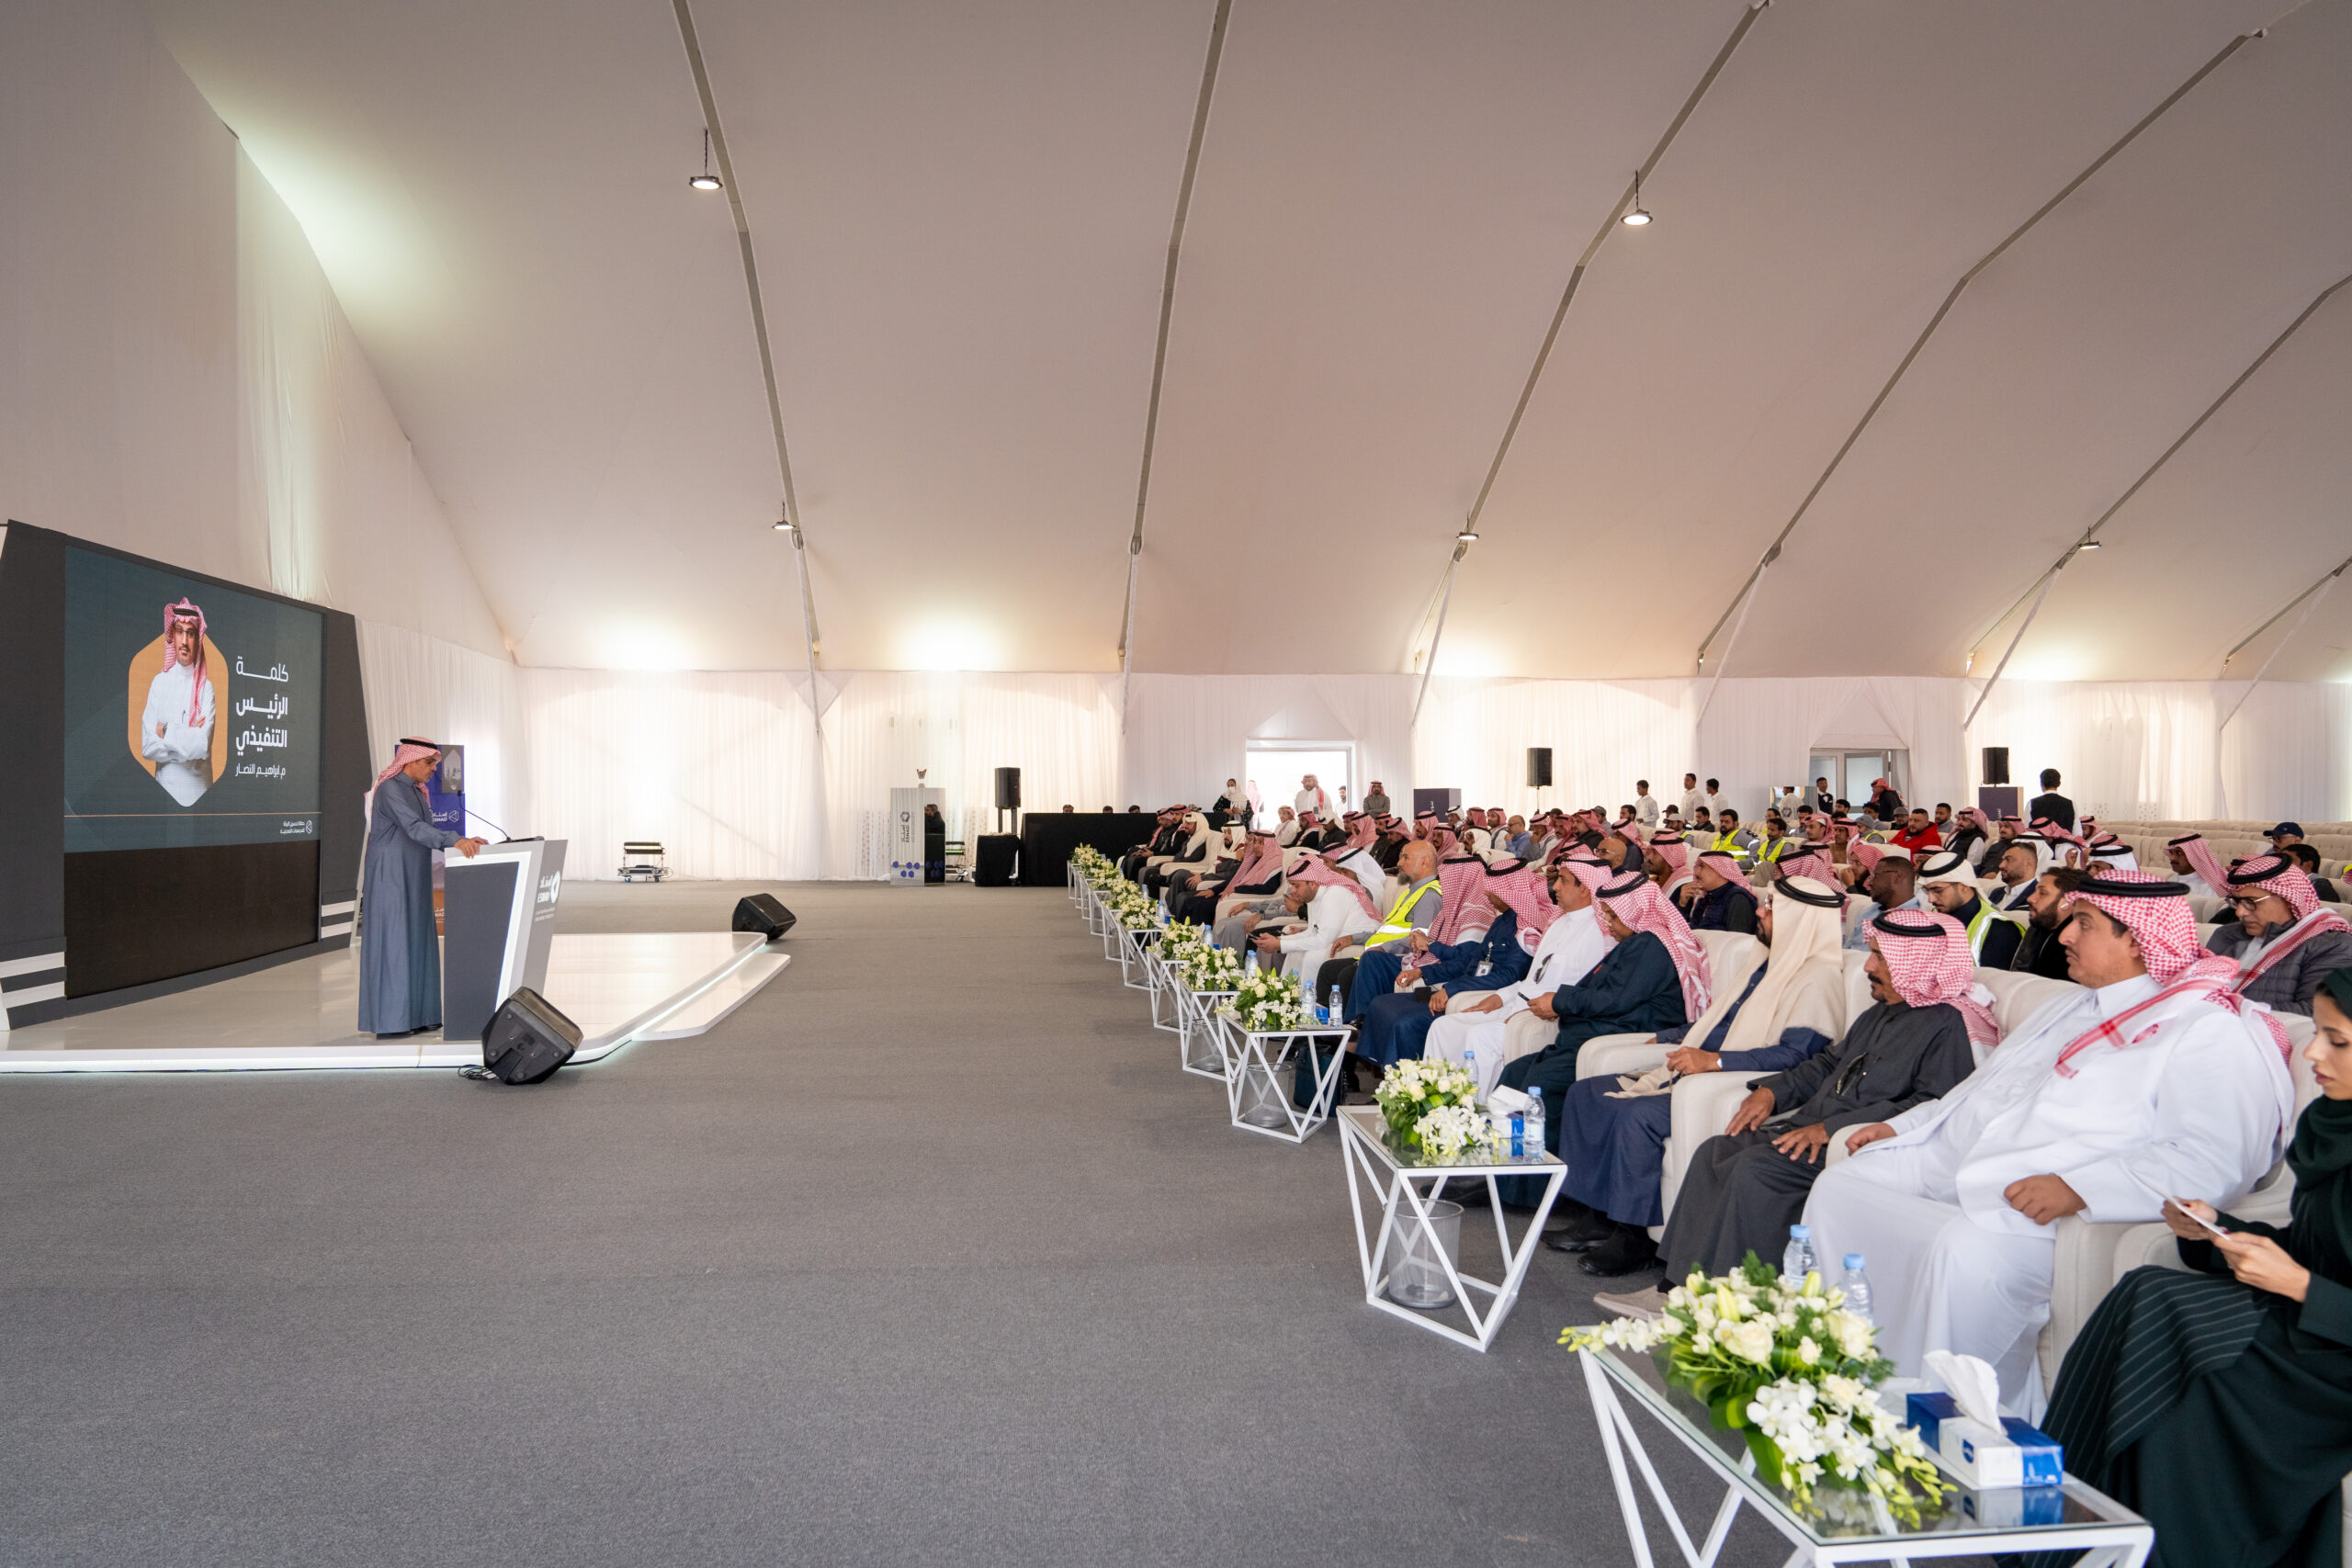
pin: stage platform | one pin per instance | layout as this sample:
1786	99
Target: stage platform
618	988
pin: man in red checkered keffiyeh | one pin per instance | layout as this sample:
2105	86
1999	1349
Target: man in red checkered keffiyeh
2154	909
2284	941
1930	964
1638	904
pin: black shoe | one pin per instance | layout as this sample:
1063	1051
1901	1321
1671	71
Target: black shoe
1628	1251
1582	1237
1568	1214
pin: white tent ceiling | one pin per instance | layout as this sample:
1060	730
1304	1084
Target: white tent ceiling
961	214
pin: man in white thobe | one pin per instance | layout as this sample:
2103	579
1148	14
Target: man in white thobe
1311	797
1487	1030
1335	916
1952	1202
1691	799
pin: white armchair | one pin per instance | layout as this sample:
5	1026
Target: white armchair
1731	957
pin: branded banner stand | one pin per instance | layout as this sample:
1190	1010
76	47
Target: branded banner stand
906	832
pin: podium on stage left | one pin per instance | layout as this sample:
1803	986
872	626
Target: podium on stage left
498	924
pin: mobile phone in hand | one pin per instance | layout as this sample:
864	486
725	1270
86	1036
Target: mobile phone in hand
2191	1214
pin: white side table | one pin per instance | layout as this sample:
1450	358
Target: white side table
1967	1525
1256	1096
1373	1164
1200	1034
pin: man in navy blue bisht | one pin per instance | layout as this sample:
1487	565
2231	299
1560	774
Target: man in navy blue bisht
400	952
1653	978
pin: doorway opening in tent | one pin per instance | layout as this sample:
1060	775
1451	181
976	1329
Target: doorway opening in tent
1849	773
1272	770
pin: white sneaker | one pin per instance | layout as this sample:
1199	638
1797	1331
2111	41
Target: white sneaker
1649	1304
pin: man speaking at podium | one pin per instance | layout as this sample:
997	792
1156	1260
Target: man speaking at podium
400	952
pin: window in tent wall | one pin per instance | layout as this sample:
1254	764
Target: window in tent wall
1277	767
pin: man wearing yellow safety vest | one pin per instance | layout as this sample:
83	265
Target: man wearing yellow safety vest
1775	842
1415	907
1731	838
1949	884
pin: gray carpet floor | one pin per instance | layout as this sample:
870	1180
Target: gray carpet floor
928	1254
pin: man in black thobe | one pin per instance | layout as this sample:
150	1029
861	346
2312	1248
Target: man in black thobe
1744	1189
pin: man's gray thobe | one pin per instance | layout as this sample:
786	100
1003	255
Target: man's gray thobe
399	954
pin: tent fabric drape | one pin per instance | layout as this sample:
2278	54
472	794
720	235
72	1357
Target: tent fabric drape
729	773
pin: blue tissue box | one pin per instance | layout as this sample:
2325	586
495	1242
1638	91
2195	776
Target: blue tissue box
2017	1455
2014	1508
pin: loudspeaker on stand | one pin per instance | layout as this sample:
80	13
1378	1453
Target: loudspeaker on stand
1539	767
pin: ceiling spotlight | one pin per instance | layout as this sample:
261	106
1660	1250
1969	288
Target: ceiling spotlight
1467	537
1638	216
705	180
782	526
2087	544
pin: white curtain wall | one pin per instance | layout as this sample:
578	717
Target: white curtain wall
729	773
421	686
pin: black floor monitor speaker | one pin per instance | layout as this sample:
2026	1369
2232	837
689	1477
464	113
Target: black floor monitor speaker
762	913
1008	789
1996	766
526	1040
1539	767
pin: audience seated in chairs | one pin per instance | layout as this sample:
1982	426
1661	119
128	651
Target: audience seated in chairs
1612	1129
1485	1033
1443	975
2154	1078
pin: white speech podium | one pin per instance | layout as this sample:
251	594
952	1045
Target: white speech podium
497	926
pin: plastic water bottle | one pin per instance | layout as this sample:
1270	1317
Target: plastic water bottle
1339	1007
1857	1286
1533	1122
1797	1262
1306	1000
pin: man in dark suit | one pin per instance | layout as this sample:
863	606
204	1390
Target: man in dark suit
2051	804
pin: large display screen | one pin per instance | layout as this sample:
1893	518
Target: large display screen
191	711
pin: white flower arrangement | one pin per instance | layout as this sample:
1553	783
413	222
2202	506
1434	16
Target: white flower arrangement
1132	908
1181	937
1418	1086
1453	1133
1784	1362
1209	969
1267	1002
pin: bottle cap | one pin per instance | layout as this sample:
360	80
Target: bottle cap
1800	1232
1854	1261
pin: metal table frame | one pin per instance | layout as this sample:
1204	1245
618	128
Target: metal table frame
1246	1055
1371	1164
2117	1538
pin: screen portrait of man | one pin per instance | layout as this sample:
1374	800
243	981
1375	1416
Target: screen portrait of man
175	723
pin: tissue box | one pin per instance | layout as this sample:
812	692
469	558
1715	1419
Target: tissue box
1978	1456
2014	1508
